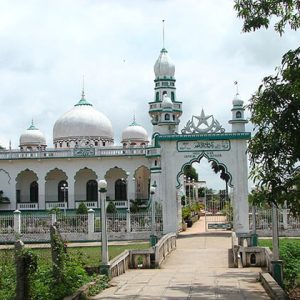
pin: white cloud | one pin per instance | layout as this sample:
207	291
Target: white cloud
46	46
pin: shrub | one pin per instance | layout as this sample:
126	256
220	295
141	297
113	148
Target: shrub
186	213
82	209
111	208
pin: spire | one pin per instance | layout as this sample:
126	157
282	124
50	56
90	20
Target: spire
163	33
32	127
134	123
83	101
237	88
82	95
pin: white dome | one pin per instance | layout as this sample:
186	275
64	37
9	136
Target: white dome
134	133
167	102
164	67
237	102
32	137
83	121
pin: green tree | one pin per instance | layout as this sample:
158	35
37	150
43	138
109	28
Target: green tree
223	175
258	13
82	209
190	172
275	110
111	208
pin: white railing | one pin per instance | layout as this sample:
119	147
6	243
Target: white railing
35	224
68	224
6	224
27	206
55	153
153	152
286	221
61	205
117	222
88	204
121	203
164	246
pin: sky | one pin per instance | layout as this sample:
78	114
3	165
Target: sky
47	46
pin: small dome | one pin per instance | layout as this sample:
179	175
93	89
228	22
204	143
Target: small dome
32	137
134	133
82	122
167	102
164	67
237	102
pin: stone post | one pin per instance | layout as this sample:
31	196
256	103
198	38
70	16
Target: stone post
91	223
285	216
128	221
21	288
53	218
17	221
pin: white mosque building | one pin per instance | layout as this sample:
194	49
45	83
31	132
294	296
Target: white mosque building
39	177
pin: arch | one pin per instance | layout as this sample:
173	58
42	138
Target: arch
173	96
142	182
111	176
238	115
157	96
198	159
120	189
82	177
23	185
92	190
52	180
252	259
9	178
167	117
34	192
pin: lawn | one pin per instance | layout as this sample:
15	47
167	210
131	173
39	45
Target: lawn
91	256
268	242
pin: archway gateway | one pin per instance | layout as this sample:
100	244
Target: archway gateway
209	140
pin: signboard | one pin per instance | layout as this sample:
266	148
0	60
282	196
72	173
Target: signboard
84	152
192	146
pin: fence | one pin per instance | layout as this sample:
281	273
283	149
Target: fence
287	224
120	226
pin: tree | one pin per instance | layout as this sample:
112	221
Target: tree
190	172
111	208
275	111
82	209
223	175
257	14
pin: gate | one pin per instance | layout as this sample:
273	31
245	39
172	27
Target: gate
218	212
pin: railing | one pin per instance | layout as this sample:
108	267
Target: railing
71	224
119	264
27	206
89	204
61	205
35	224
164	246
121	203
286	221
55	153
6	224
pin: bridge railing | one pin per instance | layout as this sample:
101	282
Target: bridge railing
164	246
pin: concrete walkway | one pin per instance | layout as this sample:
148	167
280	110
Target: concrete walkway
197	269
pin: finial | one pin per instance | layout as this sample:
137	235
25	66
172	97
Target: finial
163	28
9	144
134	117
32	124
237	88
82	95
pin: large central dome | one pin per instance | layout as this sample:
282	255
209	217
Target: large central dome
82	126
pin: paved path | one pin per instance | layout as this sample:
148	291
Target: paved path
197	269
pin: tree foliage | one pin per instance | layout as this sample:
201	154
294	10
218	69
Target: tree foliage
259	13
190	172
275	110
275	148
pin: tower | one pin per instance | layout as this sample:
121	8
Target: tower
238	120
165	110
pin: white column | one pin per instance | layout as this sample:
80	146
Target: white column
42	197
91	223
17	221
71	192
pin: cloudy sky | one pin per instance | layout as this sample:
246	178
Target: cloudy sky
46	47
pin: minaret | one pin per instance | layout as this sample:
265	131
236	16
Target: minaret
165	110
238	120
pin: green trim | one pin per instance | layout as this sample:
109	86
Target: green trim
155	168
158	79
242	121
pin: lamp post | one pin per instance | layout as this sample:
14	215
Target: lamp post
189	185
104	268
254	235
64	188
152	236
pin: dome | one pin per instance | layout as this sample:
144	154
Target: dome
164	67
167	102
134	133
83	122
32	137
237	102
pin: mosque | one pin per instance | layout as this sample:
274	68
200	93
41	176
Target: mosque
37	177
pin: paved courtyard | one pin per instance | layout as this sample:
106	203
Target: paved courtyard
197	269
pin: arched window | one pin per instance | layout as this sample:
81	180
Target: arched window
173	117
92	190
120	190
167	117
157	96
252	259
155	163
172	96
34	192
62	191
238	115
165	92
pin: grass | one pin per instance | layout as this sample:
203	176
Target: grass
91	256
268	242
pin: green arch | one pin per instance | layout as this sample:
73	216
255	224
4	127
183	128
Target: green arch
198	159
